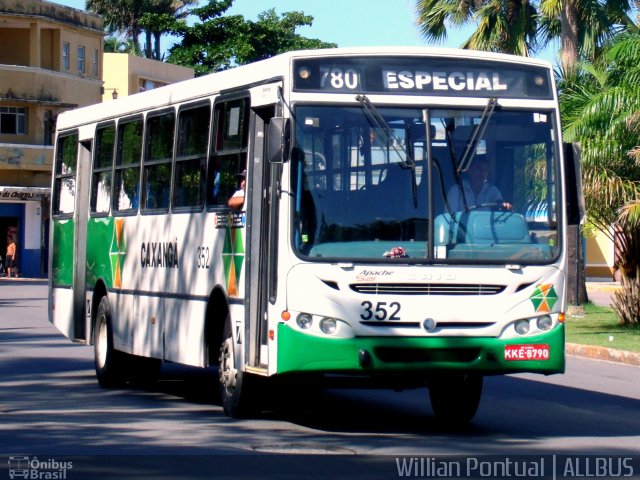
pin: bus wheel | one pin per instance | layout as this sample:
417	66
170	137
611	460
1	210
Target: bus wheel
234	383
108	361
455	399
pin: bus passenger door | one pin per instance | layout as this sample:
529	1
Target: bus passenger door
68	237
261	228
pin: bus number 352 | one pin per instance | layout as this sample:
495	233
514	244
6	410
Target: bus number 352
380	311
202	257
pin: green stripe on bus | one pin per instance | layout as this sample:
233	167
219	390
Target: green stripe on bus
309	353
63	252
100	235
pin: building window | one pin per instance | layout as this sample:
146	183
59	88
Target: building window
144	84
95	63
80	59
66	48
13	120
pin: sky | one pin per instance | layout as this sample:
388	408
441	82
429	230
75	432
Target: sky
350	23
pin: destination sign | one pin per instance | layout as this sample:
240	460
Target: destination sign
422	76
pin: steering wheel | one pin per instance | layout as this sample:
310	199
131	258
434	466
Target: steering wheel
493	206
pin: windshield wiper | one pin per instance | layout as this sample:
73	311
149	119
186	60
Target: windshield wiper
385	131
476	136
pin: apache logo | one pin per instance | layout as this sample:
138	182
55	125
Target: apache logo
544	297
117	252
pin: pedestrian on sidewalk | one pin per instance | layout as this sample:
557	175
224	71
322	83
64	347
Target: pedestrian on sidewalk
10	258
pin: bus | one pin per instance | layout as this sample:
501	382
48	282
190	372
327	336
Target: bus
364	252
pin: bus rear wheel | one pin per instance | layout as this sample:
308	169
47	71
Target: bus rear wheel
108	361
455	399
235	393
115	368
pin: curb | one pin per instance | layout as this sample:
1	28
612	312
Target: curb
603	353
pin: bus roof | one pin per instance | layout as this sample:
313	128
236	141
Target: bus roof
273	68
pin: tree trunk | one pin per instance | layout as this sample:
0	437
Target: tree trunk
148	48
156	45
576	281
569	35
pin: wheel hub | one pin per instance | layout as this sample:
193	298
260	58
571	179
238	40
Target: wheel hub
228	372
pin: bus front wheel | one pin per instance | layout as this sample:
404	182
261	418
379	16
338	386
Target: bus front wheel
108	361
236	394
455	399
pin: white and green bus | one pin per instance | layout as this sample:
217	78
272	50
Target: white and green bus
365	251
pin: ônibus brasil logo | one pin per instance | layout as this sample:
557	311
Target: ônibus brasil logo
33	468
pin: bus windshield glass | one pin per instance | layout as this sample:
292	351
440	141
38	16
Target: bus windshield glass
426	185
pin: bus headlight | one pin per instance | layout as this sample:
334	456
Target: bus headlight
544	322
304	321
328	325
522	327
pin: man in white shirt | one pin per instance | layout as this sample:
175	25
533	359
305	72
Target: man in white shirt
237	199
477	189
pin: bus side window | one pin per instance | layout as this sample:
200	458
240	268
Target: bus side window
156	178
229	155
191	157
102	169
127	170
65	175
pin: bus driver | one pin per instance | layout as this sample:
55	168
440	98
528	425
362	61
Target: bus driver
475	190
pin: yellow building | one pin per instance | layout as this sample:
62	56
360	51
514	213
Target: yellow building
50	61
127	74
600	256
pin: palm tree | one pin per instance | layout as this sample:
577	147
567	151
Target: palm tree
133	17
522	27
121	15
502	26
159	19
600	103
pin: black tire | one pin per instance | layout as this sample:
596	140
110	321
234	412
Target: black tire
455	399
109	363
237	392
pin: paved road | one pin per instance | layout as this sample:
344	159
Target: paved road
51	405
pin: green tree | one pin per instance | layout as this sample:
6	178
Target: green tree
134	17
122	16
600	103
218	42
113	44
160	19
525	27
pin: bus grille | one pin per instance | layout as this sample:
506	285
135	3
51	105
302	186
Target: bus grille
426	289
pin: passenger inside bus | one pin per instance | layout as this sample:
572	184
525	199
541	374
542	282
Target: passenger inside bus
237	199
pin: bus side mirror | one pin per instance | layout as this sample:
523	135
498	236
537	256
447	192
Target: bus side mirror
573	184
278	140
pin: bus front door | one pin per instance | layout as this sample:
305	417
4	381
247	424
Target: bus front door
261	240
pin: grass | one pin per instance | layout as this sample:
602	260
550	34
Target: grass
601	327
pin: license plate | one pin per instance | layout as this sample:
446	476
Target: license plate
526	352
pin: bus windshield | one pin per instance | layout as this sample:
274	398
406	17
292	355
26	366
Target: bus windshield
441	185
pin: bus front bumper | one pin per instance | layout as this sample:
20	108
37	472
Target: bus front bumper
543	353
